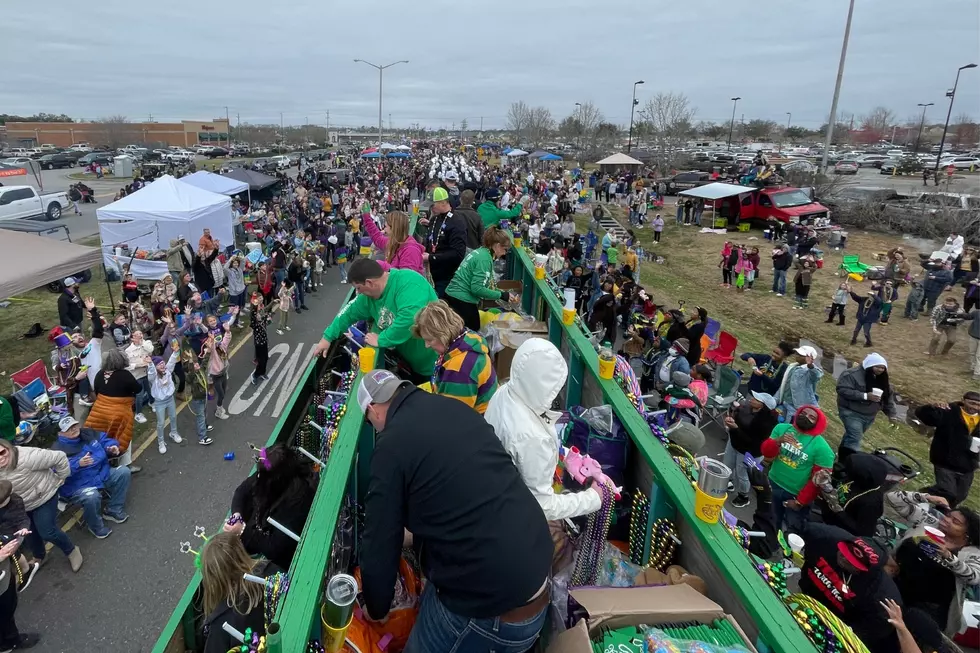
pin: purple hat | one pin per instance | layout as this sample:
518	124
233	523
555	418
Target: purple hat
157	360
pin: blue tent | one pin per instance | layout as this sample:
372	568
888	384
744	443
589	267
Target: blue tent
371	155
399	155
550	157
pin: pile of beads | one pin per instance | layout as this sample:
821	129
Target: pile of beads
663	544
774	574
822	627
592	542
254	643
639	514
276	587
315	647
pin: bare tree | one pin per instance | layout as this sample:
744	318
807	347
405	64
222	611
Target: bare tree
762	130
571	128
966	130
877	122
117	130
518	119
668	117
540	125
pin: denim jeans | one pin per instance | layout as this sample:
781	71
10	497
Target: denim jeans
735	460
343	271
299	297
795	520
90	498
437	630
163	408
855	426
200	407
779	281
144	397
44	528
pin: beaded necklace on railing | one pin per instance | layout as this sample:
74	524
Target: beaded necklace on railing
639	513
592	542
823	627
663	544
276	587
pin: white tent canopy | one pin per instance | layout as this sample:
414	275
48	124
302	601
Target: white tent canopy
388	146
619	160
163	211
517	153
716	191
215	183
403	147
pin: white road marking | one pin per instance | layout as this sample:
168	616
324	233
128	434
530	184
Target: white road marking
284	373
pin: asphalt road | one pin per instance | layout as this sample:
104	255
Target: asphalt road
130	582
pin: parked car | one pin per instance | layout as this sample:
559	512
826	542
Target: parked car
179	157
799	165
102	158
215	152
685	181
281	162
846	168
81	147
961	162
906	165
19	202
871	160
59	160
263	165
17	161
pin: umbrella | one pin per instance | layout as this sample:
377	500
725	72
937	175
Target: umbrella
399	155
369	150
550	157
371	155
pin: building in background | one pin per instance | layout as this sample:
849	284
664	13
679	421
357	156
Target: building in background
118	134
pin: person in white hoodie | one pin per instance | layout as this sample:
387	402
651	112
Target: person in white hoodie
520	414
137	351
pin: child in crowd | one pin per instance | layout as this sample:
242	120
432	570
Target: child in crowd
162	388
285	303
658	227
342	249
197	379
259	320
318	266
914	300
839	302
130	288
802	281
14	524
889	295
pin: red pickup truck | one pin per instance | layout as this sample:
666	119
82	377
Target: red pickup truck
784	203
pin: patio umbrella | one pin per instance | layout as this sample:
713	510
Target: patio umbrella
550	157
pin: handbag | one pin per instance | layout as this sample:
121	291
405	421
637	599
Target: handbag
392	635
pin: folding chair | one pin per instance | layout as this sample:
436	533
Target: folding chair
34	381
723	394
711	329
724	352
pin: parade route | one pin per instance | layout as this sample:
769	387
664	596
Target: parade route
130	582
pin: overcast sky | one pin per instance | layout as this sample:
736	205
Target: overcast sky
187	60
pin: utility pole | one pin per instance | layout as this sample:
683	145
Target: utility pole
282	133
922	123
629	143
381	72
228	127
840	78
481	124
731	127
952	96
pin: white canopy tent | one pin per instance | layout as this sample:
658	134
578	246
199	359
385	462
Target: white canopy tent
619	160
517	152
388	146
163	211
28	261
215	183
403	147
716	191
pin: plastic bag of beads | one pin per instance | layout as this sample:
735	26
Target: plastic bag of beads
615	569
559	599
656	641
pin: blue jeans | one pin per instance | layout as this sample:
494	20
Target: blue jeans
343	271
299	297
163	408
795	520
44	528
779	281
90	498
437	630
855	426
144	397
199	407
735	460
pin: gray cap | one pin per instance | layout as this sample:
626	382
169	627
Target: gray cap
765	398
378	387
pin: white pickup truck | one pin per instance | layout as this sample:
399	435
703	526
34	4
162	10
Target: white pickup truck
17	202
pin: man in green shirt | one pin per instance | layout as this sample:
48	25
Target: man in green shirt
612	255
389	300
797	451
493	214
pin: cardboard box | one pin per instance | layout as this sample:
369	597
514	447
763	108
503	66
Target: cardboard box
616	607
511	340
513	287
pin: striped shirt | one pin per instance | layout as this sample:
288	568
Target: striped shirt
465	372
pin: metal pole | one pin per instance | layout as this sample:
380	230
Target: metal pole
228	127
789	119
629	143
922	123
381	77
952	96
731	127
840	78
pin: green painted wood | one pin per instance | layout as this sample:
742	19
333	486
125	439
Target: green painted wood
776	625
576	371
555	330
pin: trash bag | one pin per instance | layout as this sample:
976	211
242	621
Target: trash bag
599	434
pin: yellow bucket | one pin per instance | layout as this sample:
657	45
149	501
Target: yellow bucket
366	357
333	638
538	272
518	241
707	507
607	368
568	316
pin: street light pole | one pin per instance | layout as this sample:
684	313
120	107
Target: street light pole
789	119
952	96
922	123
381	73
840	78
629	143
731	127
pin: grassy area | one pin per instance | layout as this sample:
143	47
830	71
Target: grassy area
760	319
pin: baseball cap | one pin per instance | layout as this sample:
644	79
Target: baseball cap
377	387
66	423
451	176
806	350
440	194
492	193
70	281
767	399
859	554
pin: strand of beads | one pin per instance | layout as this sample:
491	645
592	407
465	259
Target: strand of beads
276	587
592	542
775	576
639	514
823	627
315	647
663	544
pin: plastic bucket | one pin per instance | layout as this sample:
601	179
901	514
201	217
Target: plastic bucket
607	368
538	272
707	508
333	638
366	358
568	316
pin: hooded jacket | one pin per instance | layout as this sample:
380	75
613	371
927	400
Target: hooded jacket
854	597
862	496
465	372
492	214
520	414
89	441
783	259
474	225
474	280
70	312
407	257
793	467
950	448
853	389
753	428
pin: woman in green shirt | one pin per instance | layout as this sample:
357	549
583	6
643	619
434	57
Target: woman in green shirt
474	281
797	451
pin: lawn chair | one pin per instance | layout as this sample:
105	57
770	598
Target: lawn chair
724	392
851	265
724	352
711	329
32	383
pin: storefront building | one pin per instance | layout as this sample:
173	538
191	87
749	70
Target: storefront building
118	134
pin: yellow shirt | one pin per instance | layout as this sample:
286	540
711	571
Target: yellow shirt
630	259
355	226
971	421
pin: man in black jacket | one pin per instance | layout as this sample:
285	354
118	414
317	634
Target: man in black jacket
952	453
70	306
482	540
445	243
749	425
472	219
861	498
781	262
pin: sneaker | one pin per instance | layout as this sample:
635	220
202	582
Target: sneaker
75	559
134	469
255	380
343	281
175	436
779	294
740	501
304	308
29	574
264	377
731	486
205	441
162	447
221	413
289	328
209	428
140	418
102	533
279	331
85	402
115	517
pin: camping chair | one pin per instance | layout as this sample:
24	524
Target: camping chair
33	381
711	329
851	264
724	352
724	392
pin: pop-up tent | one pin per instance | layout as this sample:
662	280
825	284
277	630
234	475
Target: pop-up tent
215	183
28	261
162	211
256	180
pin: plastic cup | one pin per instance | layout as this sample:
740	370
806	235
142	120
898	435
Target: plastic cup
538	272
975	445
366	358
796	543
518	241
935	535
877	392
568	316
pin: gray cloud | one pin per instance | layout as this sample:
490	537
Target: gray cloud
182	59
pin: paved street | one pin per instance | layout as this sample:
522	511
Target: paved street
130	582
